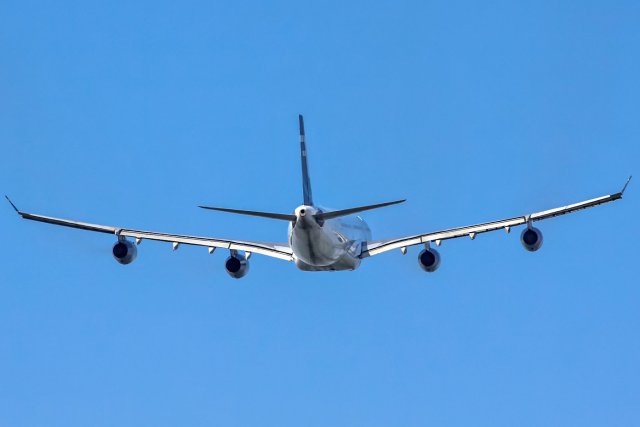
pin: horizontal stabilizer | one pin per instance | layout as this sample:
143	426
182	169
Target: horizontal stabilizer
343	212
283	217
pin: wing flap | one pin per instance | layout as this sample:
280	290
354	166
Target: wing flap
269	249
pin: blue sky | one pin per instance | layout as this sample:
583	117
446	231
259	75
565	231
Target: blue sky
131	114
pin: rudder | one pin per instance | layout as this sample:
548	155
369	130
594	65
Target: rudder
306	182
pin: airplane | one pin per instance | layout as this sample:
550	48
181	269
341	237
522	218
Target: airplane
321	239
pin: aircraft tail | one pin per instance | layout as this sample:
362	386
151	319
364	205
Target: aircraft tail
272	215
306	182
306	193
351	211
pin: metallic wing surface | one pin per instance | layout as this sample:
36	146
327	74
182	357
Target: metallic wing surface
471	231
275	250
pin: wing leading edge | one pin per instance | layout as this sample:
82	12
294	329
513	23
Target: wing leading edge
275	250
378	247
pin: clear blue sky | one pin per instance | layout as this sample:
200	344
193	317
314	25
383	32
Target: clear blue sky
131	114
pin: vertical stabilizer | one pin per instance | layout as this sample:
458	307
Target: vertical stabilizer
306	183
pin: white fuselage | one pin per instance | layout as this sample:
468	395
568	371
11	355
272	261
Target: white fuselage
329	245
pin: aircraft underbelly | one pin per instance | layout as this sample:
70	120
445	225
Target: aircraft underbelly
315	248
322	254
345	262
330	246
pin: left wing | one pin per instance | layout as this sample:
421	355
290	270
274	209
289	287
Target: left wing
275	250
378	247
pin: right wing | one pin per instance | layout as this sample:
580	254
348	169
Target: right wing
275	250
378	247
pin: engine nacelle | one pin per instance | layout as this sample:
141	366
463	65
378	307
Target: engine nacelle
531	239
124	251
237	266
429	260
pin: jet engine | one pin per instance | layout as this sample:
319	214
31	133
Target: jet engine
531	239
124	251
237	266
429	260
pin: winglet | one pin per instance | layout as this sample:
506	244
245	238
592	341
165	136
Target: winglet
625	185
12	205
